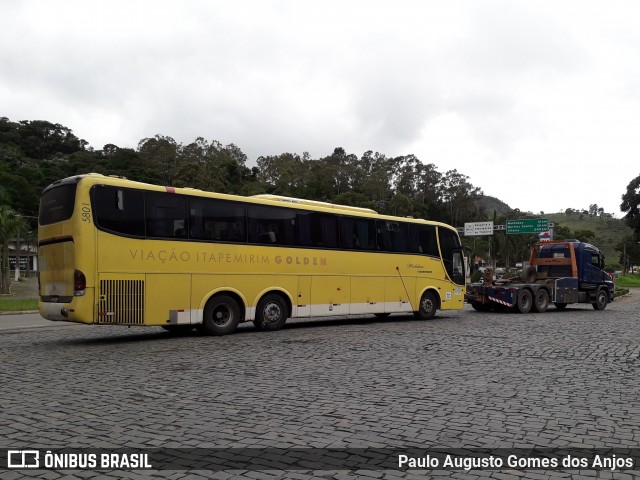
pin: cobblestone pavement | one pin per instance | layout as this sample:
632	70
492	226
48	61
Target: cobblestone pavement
465	379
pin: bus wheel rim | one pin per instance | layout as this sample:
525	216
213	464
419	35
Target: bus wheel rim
427	305
222	315
272	312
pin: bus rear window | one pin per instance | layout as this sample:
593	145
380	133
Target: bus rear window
56	204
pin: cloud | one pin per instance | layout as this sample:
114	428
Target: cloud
490	88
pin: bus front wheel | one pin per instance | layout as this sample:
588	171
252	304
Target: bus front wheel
221	316
271	313
428	307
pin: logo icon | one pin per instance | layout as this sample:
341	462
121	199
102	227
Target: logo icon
23	459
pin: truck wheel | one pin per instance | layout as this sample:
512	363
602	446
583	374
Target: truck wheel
221	316
525	301
271	313
560	306
602	298
428	307
541	301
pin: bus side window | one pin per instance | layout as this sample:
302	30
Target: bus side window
357	233
119	210
317	230
272	225
422	240
392	236
213	219
166	215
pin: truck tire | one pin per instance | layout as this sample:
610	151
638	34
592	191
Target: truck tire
525	301
541	301
602	298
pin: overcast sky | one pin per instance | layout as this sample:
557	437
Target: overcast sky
537	102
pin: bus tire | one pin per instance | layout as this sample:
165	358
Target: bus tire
221	315
178	329
525	301
428	307
271	313
602	298
541	300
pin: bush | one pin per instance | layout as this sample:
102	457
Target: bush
619	292
477	276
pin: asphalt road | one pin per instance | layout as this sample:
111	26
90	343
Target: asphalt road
561	380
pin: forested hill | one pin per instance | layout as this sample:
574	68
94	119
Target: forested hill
35	153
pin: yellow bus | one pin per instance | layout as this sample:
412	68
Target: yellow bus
118	252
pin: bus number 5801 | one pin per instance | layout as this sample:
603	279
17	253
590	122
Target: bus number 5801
86	213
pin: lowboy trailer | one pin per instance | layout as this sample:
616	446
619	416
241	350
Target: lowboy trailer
560	272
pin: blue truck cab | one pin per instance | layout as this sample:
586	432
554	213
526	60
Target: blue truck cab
560	272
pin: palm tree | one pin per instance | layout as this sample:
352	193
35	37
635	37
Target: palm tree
10	224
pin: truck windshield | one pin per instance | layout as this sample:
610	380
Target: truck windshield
56	204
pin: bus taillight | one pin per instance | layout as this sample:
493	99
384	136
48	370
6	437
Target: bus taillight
79	283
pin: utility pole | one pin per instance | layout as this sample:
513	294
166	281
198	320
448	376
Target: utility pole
18	247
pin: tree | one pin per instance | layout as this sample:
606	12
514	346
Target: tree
629	250
283	173
631	205
353	199
10	224
585	235
561	232
460	198
160	154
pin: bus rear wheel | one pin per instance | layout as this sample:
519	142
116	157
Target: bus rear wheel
221	316
428	307
271	313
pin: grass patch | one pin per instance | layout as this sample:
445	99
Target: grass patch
628	281
18	304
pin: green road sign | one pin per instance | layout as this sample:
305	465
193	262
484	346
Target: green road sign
527	225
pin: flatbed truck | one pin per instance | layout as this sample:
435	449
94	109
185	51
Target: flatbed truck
559	272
